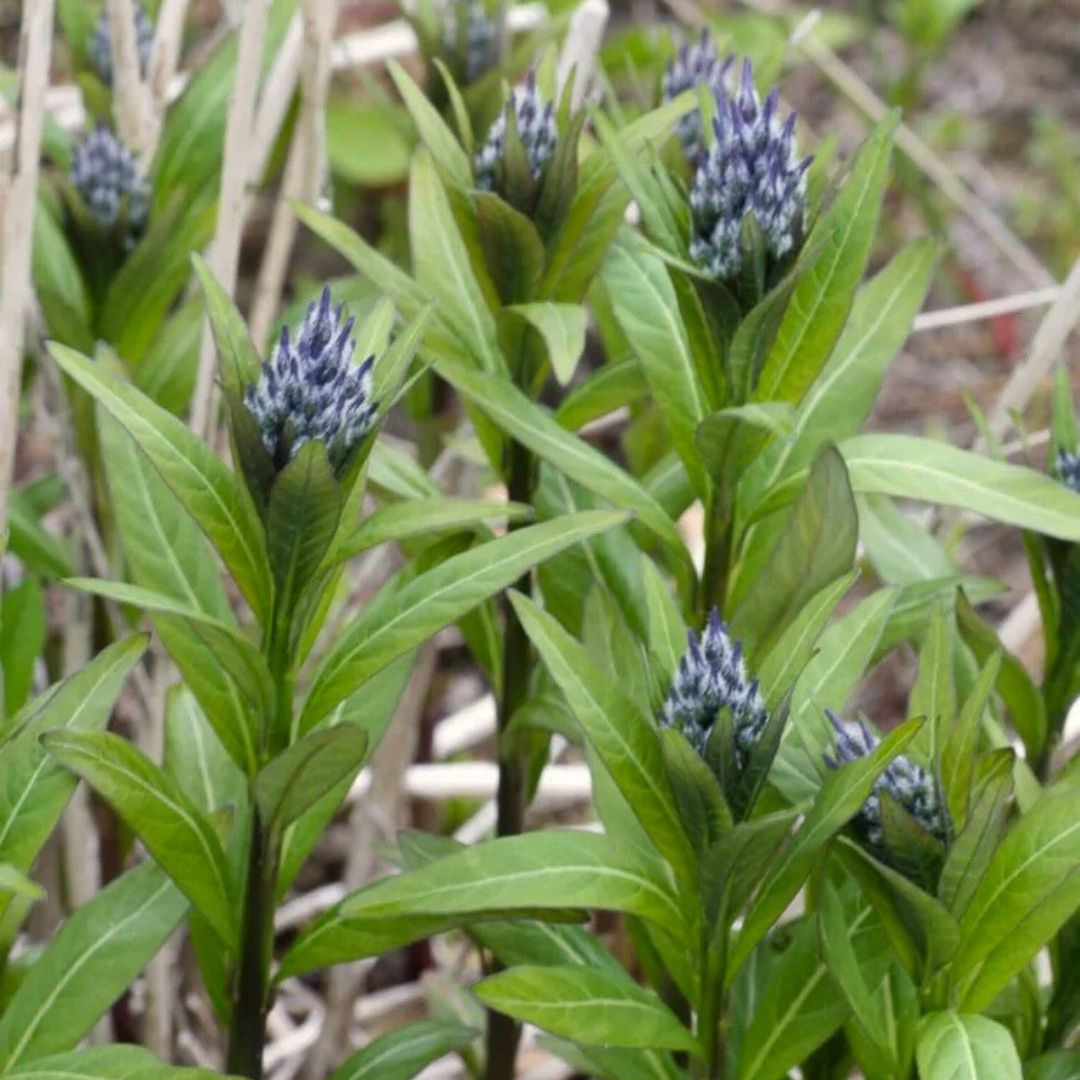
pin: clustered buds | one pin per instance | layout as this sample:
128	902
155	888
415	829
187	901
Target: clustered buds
107	177
695	65
1067	467
711	677
311	390
907	782
535	123
468	30
101	44
751	169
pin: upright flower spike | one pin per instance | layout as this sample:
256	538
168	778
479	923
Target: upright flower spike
535	122
310	389
101	45
469	33
695	65
108	178
907	782
1067	467
712	676
752	169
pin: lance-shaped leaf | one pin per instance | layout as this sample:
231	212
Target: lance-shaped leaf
209	491
400	620
535	428
238	358
178	836
562	326
297	778
90	962
840	798
224	671
594	1007
555	869
403	1053
959	1046
622	735
106	1063
34	789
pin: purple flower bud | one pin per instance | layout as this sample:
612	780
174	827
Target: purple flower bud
107	177
1067	467
468	29
536	129
693	66
100	46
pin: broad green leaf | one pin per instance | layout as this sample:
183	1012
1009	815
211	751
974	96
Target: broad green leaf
22	639
235	690
298	777
90	962
535	428
554	869
614	1063
198	477
819	306
34	789
667	631
238	358
174	831
404	1052
162	545
958	750
427	517
816	547
617	383
647	311
106	1063
369	143
27	538
898	546
959	1046
934	693
398	621
587	1006
842	793
623	736
15	883
562	326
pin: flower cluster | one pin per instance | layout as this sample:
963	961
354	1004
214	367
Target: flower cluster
695	65
751	169
1067	467
468	30
108	178
311	390
712	676
101	44
535	124
907	782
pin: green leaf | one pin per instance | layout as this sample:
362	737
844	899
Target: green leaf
623	736
221	666
404	1052
562	326
27	538
587	1006
959	744
92	960
512	247
934	693
238	358
297	778
195	757
368	142
178	836
15	883
106	1063
198	477
819	306
647	311
397	621
35	788
842	794
554	869
667	631
22	638
533	427
816	547
958	1046
427	517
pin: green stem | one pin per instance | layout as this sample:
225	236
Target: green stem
718	538
713	996
503	1033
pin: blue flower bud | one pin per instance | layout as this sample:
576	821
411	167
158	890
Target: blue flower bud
310	389
1067	467
107	177
468	28
535	126
907	782
101	44
712	676
693	66
751	169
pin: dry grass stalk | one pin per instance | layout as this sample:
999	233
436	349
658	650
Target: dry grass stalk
224	254
131	106
19	198
986	309
161	72
578	58
305	171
